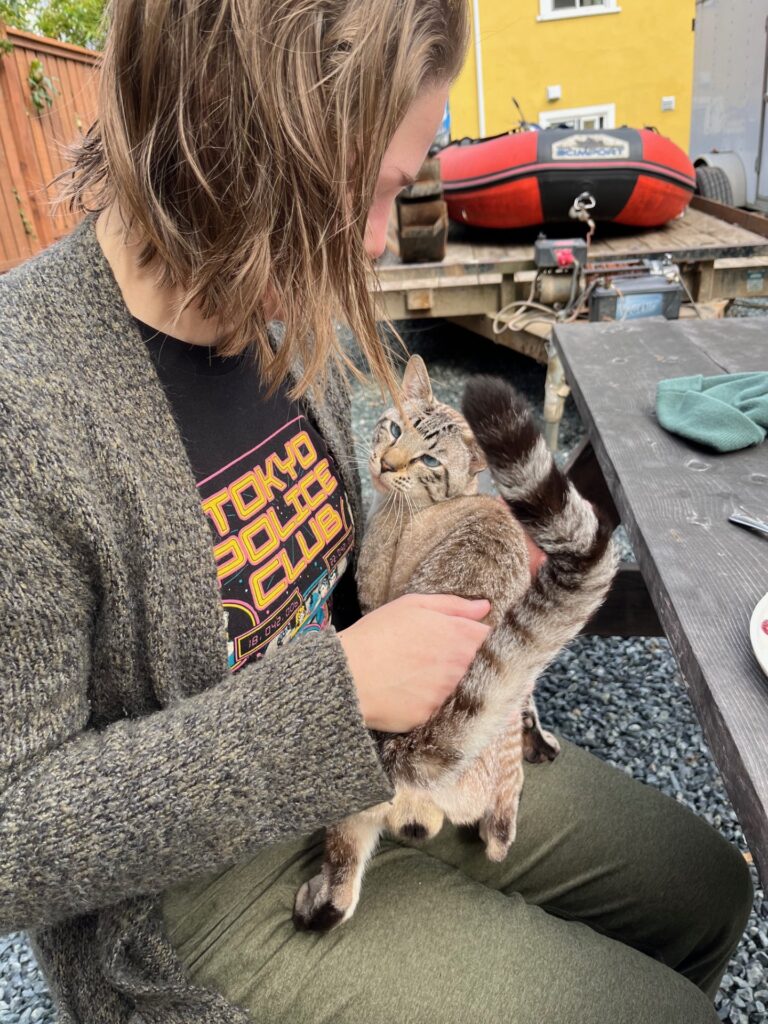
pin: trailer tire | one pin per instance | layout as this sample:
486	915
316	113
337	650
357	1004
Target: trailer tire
714	183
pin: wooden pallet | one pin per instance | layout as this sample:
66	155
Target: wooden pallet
722	253
483	271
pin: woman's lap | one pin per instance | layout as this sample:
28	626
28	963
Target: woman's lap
596	846
441	933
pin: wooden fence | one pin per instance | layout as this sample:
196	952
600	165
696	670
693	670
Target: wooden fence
32	141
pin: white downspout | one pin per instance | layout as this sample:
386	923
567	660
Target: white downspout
478	68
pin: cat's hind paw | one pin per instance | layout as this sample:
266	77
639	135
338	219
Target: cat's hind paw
414	830
412	815
498	834
539	746
314	910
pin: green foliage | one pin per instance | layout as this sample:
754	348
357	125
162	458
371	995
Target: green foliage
28	229
17	13
41	87
71	21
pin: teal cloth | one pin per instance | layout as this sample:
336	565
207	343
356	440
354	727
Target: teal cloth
727	412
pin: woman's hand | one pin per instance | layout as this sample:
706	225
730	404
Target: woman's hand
408	656
536	556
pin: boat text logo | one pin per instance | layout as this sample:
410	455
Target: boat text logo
590	147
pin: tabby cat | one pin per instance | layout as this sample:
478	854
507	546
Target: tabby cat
430	531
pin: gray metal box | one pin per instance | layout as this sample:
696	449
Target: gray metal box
629	298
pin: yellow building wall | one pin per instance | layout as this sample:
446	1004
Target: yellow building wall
630	58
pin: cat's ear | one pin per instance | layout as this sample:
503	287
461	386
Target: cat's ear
416	385
477	460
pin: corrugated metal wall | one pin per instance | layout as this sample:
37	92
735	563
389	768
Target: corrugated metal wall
31	142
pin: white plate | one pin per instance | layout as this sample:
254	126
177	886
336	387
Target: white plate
758	632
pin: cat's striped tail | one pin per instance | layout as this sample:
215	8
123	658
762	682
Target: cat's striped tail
567	590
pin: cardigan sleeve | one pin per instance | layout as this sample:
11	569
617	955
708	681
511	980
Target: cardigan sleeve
87	817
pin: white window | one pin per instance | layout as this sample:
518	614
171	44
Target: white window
587	119
552	9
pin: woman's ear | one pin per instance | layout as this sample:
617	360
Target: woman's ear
416	385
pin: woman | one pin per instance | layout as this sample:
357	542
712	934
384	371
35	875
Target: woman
173	391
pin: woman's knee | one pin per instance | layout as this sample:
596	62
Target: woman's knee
727	880
708	911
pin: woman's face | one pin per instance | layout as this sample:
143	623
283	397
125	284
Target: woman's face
402	160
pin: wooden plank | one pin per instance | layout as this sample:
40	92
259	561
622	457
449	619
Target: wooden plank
627	610
709	224
83	96
608	248
583	469
14	238
697	237
54	47
748	219
524	342
731	346
26	244
446	302
62	131
32	144
20	115
39	128
704	575
65	133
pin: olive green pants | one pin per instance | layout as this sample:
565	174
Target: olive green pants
615	905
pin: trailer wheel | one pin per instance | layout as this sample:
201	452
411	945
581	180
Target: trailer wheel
714	183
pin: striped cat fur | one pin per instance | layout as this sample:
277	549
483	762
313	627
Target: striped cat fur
429	531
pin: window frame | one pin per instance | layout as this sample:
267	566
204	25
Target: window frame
607	110
547	11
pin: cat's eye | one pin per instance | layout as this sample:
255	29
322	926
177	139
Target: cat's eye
430	461
394	430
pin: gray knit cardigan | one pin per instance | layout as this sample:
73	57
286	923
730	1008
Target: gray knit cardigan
131	758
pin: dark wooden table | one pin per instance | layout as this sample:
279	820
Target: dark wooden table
703	574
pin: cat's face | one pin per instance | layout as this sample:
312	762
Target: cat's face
428	452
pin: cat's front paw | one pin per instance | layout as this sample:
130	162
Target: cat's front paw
314	910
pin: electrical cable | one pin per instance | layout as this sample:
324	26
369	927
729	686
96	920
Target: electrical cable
681	279
531	312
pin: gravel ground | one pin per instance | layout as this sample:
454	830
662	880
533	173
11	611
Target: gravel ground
623	700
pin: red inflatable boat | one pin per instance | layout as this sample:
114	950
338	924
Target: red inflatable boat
516	180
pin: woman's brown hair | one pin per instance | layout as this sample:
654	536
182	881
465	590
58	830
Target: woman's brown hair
243	140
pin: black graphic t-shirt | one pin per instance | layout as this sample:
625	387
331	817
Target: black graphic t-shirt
281	525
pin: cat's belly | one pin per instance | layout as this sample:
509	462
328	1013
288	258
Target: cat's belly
466	800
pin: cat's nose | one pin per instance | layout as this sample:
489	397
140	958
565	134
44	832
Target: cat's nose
386	467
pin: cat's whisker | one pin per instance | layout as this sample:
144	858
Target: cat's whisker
398	506
398	511
403	510
346	463
390	501
411	509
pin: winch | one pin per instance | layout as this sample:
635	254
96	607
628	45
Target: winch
567	285
560	263
620	290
